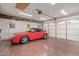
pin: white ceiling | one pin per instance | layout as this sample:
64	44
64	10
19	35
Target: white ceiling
47	8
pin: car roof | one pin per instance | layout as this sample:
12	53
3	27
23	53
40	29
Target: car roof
35	28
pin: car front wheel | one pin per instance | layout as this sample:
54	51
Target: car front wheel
24	40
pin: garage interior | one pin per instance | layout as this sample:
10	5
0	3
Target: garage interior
60	20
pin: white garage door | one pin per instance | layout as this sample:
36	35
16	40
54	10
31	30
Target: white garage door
65	29
73	30
45	27
52	29
61	29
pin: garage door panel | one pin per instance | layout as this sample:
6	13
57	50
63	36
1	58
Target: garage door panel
73	37
61	35
73	26
51	27
45	27
73	32
73	29
52	35
61	31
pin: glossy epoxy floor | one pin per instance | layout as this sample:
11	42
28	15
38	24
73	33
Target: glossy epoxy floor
48	47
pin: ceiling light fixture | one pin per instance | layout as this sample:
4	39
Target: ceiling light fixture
61	22
72	21
43	18
63	12
53	3
22	13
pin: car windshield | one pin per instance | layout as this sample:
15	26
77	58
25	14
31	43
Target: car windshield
32	30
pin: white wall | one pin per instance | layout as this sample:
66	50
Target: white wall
20	26
72	28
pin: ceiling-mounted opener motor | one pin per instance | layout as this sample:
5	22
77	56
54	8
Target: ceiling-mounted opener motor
40	12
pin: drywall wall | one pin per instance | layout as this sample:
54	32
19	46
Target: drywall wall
20	26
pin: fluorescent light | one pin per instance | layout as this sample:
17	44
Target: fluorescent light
25	14
53	3
43	18
73	21
63	12
61	22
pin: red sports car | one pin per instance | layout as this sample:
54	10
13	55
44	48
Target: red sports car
32	34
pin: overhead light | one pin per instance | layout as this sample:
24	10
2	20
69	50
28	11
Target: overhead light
43	18
73	21
22	13
61	22
63	12
53	3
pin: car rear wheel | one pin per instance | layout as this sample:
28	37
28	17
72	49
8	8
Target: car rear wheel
24	40
45	36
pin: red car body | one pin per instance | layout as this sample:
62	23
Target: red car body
31	35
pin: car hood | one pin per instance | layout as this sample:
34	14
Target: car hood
20	33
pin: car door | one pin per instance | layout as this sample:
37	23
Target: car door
33	34
38	34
